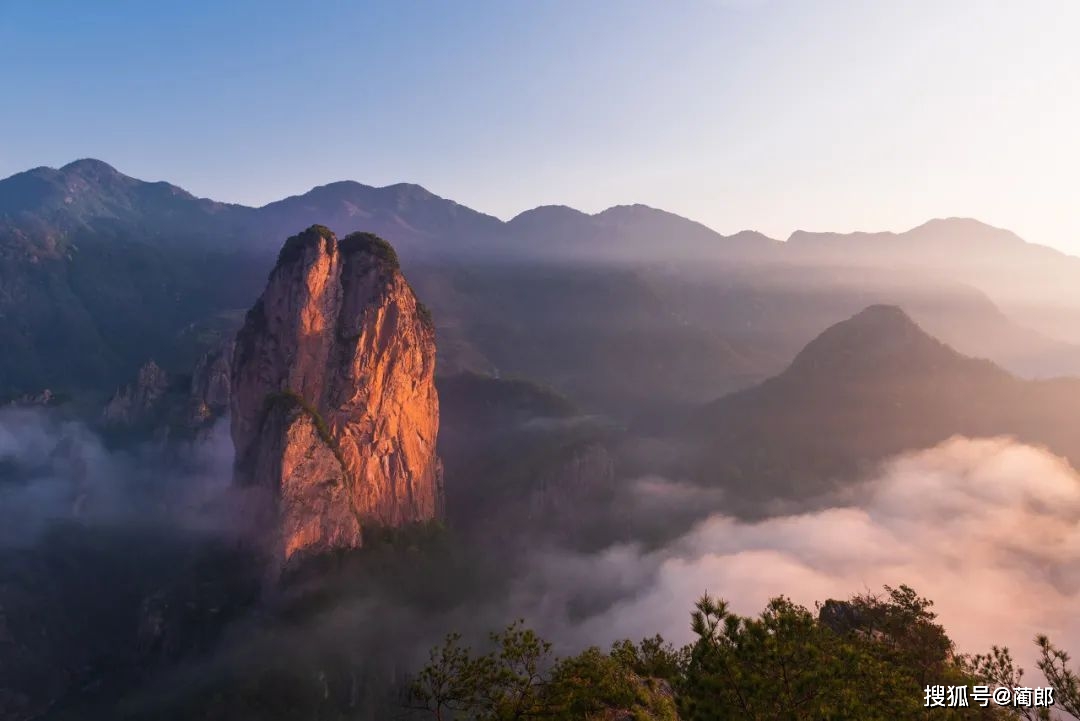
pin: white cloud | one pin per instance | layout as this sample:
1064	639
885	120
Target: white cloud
988	529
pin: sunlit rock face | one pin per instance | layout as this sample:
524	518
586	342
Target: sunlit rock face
333	404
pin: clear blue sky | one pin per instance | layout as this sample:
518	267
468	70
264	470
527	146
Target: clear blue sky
765	114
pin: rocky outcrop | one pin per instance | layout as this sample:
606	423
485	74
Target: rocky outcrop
42	398
210	385
333	407
162	405
137	401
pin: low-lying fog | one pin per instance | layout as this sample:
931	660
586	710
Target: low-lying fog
989	529
986	528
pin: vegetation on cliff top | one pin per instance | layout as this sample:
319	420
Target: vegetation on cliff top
295	245
359	242
371	244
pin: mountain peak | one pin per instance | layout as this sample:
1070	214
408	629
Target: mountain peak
549	213
964	232
635	211
90	166
880	315
89	191
876	338
935	235
413	190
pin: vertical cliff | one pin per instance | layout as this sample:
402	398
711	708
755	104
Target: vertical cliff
333	404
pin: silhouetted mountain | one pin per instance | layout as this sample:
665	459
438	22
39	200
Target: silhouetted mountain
867	388
629	310
629	234
935	240
775	309
601	335
881	343
105	272
1033	283
46	204
420	223
100	272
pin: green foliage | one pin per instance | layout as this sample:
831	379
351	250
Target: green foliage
371	244
902	626
867	658
652	658
1053	662
519	679
295	245
585	685
997	668
772	667
450	681
593	684
507	683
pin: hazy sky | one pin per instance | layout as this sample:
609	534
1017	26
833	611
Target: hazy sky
772	115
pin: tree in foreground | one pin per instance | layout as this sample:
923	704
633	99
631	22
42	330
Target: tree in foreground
1054	663
870	658
519	678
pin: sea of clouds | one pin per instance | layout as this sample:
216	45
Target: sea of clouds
989	529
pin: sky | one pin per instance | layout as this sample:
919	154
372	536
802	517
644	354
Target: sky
772	115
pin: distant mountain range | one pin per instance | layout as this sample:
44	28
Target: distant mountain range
627	310
866	389
46	204
90	194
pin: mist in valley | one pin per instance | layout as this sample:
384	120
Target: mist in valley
984	527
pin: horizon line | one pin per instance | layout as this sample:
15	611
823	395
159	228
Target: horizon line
797	231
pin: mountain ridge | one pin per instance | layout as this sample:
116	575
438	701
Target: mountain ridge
868	388
128	270
860	344
84	167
